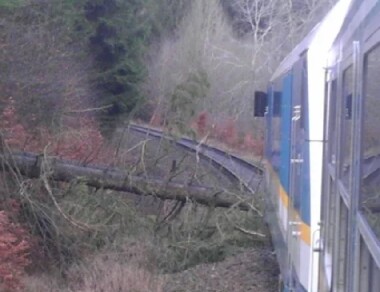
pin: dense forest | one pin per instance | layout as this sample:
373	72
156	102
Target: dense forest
73	74
136	59
92	52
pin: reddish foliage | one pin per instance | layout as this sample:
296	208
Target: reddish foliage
14	253
156	120
253	145
248	143
216	131
227	133
81	140
14	133
84	143
201	123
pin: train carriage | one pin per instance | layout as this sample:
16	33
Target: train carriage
322	112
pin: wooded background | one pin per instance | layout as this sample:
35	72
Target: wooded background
73	74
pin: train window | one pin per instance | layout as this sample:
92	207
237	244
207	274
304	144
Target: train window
347	126
348	108
364	266
374	283
276	125
304	94
331	214
328	215
342	240
369	272
277	104
370	183
261	103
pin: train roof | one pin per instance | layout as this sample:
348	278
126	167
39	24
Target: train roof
358	17
319	34
299	50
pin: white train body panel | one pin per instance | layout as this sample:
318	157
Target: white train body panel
303	261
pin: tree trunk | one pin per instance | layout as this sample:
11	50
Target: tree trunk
32	166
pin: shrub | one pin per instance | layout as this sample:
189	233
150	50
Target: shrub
79	139
227	132
156	120
202	123
14	253
250	144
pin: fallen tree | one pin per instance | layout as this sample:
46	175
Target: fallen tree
33	166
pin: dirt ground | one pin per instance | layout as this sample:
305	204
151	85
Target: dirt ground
255	270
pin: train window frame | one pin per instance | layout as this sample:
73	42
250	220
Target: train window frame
364	265
369	239
371	33
369	271
329	213
371	46
276	124
260	104
268	124
340	246
371	43
342	124
330	193
333	122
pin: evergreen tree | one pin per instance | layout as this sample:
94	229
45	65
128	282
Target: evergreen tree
119	38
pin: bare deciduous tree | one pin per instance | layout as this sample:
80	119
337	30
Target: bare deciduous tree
235	63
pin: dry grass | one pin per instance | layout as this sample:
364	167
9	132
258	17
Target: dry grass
124	270
106	275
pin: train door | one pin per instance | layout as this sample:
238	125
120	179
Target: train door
295	174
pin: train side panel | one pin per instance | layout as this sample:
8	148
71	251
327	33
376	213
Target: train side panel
291	211
350	258
294	158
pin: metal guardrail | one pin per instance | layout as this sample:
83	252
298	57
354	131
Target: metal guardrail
249	174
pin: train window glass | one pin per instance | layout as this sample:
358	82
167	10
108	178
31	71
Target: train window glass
328	214
369	272
364	267
268	125
277	104
276	145
374	279
331	214
348	107
370	183
332	121
342	239
304	94
260	103
346	126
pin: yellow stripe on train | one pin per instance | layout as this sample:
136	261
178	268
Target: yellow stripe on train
284	199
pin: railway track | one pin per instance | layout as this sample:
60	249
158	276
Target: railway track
248	174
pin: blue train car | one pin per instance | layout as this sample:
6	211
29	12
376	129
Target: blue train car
316	154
